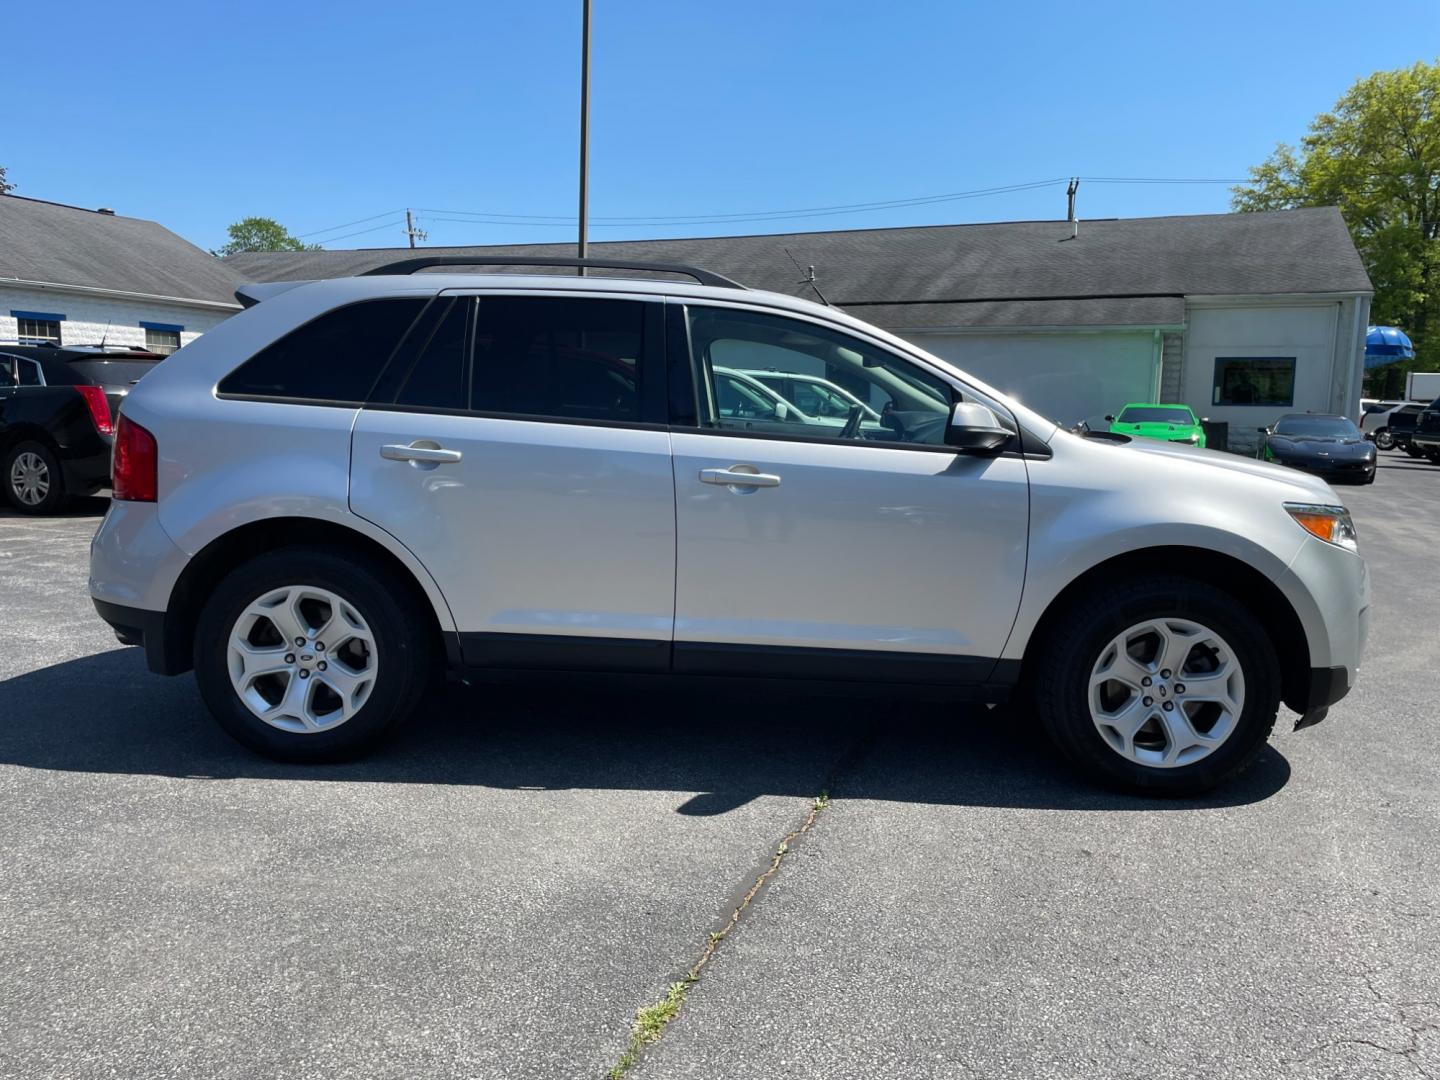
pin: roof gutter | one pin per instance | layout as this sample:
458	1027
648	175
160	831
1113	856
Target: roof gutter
91	290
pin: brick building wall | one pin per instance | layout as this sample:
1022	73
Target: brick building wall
88	319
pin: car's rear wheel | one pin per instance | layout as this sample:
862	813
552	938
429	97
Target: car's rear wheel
34	482
304	655
1384	439
1413	451
1167	686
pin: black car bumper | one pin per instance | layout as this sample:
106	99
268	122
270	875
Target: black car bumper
1325	688
136	626
1338	471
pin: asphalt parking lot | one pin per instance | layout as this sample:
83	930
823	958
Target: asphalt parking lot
495	894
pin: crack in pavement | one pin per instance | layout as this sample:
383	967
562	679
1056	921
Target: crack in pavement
651	1021
1400	1016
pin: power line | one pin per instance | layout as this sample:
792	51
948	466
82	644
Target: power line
347	224
361	232
496	217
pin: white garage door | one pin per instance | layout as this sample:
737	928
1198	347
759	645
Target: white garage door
1067	377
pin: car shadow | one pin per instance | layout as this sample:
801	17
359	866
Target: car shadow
729	740
90	506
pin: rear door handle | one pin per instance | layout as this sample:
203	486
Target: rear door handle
419	450
739	476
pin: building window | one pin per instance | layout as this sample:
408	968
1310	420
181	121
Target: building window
37	327
1254	380
162	338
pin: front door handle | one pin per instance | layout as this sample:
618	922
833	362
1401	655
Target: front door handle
421	450
739	476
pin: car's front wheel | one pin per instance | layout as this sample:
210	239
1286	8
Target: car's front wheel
34	482
1166	686
304	655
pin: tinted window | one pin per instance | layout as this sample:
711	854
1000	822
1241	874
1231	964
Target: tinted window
437	378
767	373
29	372
1329	426
1254	380
111	372
333	358
558	357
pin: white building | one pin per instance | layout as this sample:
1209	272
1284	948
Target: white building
79	277
1242	316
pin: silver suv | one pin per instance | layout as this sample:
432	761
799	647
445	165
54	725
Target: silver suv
356	483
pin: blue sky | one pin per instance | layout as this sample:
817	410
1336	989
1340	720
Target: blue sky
320	114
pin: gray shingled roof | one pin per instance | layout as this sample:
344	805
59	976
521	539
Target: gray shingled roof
67	245
1119	272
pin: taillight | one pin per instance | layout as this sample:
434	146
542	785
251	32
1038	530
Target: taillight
136	457
99	408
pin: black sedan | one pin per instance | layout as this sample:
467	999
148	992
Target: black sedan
57	419
1328	446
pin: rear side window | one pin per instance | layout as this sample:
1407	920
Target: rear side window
335	358
436	379
560	357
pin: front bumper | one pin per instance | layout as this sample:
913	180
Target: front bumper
1338	471
1329	588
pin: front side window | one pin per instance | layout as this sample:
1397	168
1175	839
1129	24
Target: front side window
37	330
771	374
1254	380
560	358
335	358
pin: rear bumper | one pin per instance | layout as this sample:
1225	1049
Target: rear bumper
136	626
84	472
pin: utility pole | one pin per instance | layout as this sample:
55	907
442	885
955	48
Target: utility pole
412	232
584	128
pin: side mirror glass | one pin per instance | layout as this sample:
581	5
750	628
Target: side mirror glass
976	428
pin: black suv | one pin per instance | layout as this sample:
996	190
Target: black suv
57	413
1426	438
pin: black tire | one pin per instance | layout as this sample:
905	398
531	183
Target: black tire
1432	455
1075	643
1384	439
55	497
1413	451
404	651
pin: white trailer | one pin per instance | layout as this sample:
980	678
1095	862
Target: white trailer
1422	386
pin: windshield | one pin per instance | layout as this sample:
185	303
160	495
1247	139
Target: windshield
1334	427
1155	414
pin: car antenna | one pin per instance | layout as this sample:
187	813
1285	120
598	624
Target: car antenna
808	279
105	335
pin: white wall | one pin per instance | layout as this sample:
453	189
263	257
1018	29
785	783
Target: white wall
1311	333
1067	376
88	319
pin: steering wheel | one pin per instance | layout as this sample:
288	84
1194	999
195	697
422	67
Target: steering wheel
852	422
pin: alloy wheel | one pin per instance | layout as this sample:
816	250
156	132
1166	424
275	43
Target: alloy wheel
1166	693
1385	439
302	659
30	478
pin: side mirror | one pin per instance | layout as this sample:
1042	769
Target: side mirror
1109	418
976	428
1263	430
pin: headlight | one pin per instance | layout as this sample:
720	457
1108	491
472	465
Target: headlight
1330	523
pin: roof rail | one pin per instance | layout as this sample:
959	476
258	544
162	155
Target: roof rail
409	266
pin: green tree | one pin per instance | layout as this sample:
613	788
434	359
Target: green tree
261	234
5	186
1376	155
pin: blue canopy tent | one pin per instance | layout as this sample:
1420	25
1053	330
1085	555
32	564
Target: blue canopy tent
1385	345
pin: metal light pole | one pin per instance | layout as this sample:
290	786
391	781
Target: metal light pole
584	130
